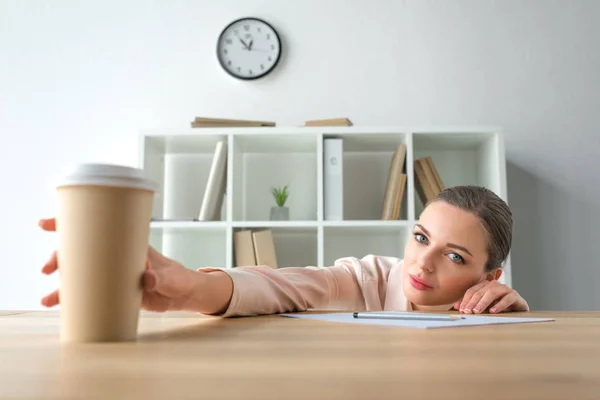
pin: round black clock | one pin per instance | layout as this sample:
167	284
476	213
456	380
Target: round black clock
249	48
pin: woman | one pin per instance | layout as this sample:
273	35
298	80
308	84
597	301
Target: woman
452	261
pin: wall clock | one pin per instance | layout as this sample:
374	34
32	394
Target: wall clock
249	48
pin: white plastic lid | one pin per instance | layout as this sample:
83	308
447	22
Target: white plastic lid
106	175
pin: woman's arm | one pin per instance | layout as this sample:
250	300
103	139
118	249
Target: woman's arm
351	283
211	294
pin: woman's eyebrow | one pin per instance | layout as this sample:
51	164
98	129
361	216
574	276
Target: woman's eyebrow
454	246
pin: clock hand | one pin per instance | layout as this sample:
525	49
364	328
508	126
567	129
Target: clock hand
244	43
250	46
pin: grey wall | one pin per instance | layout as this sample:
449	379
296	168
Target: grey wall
79	79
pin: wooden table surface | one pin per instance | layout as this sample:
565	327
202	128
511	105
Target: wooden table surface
185	356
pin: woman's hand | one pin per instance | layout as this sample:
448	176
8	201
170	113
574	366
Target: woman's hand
491	295
167	285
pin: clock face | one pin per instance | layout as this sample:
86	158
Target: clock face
248	48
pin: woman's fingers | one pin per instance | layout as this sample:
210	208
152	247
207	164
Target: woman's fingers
457	305
469	294
48	224
491	294
149	280
51	265
473	301
51	300
505	302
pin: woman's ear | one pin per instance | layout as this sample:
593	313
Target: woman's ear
494	275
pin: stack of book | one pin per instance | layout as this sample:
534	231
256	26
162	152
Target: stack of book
203	122
394	192
329	122
254	247
428	182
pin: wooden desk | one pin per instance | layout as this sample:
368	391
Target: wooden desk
181	355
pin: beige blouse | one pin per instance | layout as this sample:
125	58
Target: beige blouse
371	283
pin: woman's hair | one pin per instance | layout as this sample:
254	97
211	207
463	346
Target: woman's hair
494	214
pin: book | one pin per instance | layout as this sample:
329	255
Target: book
205	122
428	182
264	248
399	196
214	193
437	179
395	185
329	122
333	179
243	248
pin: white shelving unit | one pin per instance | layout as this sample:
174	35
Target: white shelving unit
259	158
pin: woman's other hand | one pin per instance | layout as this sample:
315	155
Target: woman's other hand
491	296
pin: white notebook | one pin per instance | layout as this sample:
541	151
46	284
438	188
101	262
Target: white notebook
467	320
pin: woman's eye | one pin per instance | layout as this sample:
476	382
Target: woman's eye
456	258
420	238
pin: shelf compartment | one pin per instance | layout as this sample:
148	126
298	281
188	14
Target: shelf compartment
366	163
295	246
359	241
469	158
181	166
263	161
194	244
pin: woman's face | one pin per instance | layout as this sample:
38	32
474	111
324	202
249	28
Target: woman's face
444	257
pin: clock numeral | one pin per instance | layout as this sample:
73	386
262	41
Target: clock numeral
239	69
270	58
262	66
235	32
272	47
268	36
225	51
258	29
228	41
229	62
250	72
246	27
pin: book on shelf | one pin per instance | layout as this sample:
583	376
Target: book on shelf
428	182
243	248
333	179
329	122
205	122
214	192
254	247
396	183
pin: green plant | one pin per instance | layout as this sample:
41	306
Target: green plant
281	195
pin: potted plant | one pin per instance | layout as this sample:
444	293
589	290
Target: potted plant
280	212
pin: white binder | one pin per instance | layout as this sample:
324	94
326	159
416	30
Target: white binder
333	182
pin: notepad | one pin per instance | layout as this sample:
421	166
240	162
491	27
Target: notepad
467	320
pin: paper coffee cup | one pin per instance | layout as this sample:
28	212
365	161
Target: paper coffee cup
103	224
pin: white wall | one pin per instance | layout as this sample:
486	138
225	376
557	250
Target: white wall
78	79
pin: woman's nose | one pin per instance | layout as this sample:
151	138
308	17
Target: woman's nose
425	261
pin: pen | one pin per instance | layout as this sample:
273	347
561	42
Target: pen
406	316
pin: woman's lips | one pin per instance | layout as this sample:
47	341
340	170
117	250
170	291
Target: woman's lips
418	284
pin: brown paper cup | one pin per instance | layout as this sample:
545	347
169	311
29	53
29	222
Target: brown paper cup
103	224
